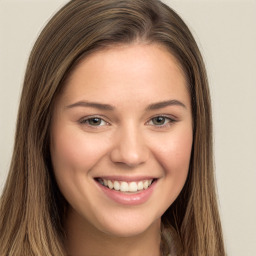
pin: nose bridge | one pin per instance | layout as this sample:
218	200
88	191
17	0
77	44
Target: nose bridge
130	147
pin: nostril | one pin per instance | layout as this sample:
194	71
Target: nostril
130	159
129	147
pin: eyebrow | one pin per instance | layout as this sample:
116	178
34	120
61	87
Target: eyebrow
101	106
164	104
92	105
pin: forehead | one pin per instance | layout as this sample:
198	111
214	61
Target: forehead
127	71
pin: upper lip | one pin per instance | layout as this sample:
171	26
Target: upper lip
126	178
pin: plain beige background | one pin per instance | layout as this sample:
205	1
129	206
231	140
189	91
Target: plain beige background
226	34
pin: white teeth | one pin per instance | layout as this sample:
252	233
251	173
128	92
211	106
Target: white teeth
140	185
110	184
116	185
133	187
124	186
145	184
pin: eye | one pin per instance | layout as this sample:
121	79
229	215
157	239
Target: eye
94	121
160	121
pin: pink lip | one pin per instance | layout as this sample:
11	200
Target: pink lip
128	199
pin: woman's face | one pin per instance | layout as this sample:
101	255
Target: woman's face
121	138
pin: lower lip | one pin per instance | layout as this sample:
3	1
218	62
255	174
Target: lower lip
128	199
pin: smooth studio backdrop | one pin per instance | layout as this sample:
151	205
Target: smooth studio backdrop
226	33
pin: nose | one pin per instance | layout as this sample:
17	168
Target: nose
129	148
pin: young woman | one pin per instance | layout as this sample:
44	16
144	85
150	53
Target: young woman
113	149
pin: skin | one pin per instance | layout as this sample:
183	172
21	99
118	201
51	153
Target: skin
127	141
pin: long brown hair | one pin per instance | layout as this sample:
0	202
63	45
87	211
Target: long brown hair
31	206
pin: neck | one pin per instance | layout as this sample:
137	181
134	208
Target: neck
83	239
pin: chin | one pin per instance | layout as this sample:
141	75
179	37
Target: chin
129	226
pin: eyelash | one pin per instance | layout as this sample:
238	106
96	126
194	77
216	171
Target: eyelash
167	121
86	121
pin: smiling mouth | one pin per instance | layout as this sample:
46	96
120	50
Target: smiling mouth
126	187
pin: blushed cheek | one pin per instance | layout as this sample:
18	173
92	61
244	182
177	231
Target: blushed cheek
73	152
175	155
182	151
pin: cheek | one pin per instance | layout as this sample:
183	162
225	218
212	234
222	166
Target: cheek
174	151
73	151
174	156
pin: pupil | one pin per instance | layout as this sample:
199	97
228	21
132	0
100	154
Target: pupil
159	120
95	121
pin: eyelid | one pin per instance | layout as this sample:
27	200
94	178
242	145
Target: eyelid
83	120
86	118
171	120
